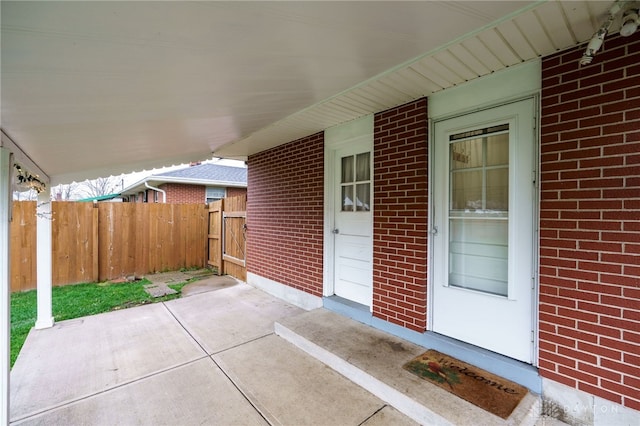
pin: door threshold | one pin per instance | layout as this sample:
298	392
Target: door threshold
516	371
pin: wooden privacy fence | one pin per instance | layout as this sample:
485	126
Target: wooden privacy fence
104	241
227	236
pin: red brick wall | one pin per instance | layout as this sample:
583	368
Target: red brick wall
285	214
400	215
236	192
590	222
179	193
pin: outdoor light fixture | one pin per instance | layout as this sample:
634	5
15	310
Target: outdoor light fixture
28	181
629	24
596	43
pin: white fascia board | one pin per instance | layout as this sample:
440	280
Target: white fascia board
194	181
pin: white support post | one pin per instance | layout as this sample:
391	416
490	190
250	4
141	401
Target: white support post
5	285
44	256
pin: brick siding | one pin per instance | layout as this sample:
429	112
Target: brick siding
590	222
285	214
400	214
179	193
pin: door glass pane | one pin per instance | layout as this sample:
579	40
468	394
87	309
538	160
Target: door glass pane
355	181
498	189
478	254
347	198
466	154
347	169
478	210
363	197
498	150
363	170
466	190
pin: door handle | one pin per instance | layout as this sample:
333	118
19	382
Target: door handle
434	231
335	231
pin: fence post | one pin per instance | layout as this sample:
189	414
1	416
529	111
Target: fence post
95	246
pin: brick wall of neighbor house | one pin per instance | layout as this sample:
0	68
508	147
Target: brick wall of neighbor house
236	192
285	214
590	222
178	193
400	215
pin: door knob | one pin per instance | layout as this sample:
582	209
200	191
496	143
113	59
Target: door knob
335	231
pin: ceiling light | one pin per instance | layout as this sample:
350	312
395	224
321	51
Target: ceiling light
630	22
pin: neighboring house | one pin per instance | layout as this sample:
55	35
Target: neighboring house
198	183
497	221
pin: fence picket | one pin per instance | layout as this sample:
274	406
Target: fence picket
108	241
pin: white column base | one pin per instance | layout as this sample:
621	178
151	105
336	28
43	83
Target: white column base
44	323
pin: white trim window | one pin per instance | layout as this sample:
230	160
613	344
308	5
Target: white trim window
214	193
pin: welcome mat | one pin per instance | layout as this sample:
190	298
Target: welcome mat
488	391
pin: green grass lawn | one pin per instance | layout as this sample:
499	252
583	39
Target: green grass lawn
73	301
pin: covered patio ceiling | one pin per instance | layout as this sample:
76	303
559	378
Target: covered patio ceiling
99	88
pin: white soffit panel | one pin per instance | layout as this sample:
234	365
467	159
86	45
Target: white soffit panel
537	31
95	88
555	23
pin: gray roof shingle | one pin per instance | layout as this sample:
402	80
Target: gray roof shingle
210	172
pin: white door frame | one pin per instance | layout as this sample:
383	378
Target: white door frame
517	302
512	84
357	127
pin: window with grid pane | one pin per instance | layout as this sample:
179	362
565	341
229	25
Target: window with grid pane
355	182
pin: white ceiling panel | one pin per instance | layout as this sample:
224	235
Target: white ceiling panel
481	52
580	19
470	59
427	72
552	17
517	41
450	62
534	30
99	88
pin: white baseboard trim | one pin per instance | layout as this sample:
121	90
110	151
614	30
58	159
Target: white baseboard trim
291	295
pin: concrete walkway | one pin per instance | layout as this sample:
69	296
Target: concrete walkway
211	358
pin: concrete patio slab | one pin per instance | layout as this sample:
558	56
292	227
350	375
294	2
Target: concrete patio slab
222	319
194	394
82	357
375	360
209	284
292	388
148	366
389	416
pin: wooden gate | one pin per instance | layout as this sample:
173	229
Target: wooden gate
227	236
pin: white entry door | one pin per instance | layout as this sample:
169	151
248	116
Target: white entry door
484	201
353	221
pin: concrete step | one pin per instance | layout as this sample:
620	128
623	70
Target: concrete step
373	359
